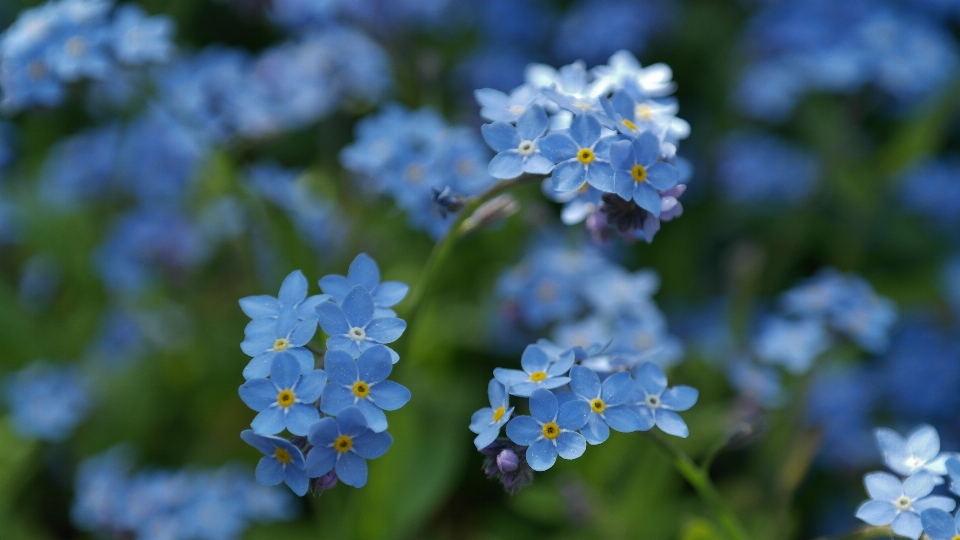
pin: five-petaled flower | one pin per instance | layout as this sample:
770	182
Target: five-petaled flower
516	147
639	174
580	156
352	327
538	372
362	383
606	401
900	504
281	462
285	399
654	404
344	444
364	272
486	422
551	430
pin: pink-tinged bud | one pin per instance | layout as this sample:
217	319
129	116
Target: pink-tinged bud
507	461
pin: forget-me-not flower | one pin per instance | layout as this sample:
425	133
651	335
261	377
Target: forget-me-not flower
281	462
579	156
899	504
940	525
792	343
486	422
538	372
344	444
517	148
497	106
285	399
46	401
362	383
655	404
920	450
352	327
551	430
288	335
364	272
606	401
293	295
639	173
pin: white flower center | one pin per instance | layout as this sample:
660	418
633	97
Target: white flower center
914	462
517	109
526	148
357	334
903	503
653	402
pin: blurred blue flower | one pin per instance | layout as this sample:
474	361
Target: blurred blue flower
551	430
761	384
81	168
840	402
593	29
281	462
932	188
486	422
607	403
46	401
286	399
756	167
900	504
919	451
517	148
655	404
578	157
363	271
362	384
951	283
344	444
351	325
39	283
138	38
794	344
497	106
940	525
538	373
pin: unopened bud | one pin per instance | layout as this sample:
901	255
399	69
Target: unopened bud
507	461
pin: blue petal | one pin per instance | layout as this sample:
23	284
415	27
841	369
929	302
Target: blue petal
671	423
386	330
621	156
303	333
919	484
296	480
257	307
600	176
558	147
624	185
336	286
647	198
533	123
537	164
534	359
510	377
374	364
523	430
376	420
352	469
571	445
623	420
543	406
340	368
562	365
285	371
481	420
938	524
264	444
335	398
679	398
924	443
651	379
323	433
523	389
647	148
907	524
351	422
617	388
584	382
553	382
662	176
332	319
585	130
877	512
390	293
372	445
496	393
596	430
299	418
268	422
258	394
357	307
321	459
645	415
310	386
935	501
883	486
304	357
293	289
389	395
269	471
265	325
256	344
506	165
568	176
307	310
573	415
343	344
486	437
363	271
541	455
500	136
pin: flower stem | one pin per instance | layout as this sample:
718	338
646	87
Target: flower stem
700	481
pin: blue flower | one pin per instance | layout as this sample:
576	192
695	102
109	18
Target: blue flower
578	156
920	451
288	335
352	327
499	107
364	272
293	295
606	401
517	146
344	444
281	462
486	422
639	174
46	401
760	168
900	504
362	383
538	372
953	469
285	399
656	405
940	525
550	430
137	38
793	344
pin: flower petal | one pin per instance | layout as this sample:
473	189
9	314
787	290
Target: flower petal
335	398
363	271
500	136
584	382
311	385
596	430
389	395
390	293
543	406
647	198
357	307
600	175
623	420
506	165
523	430
585	130
352	422
534	359
268	422
647	148
541	455
883	486
261	306
299	418
662	176
651	379
938	524
573	415
285	370
323	433
671	423
336	286
293	289
533	123
352	469
321	459
571	445
386	330
332	319
372	445
374	364
877	512
376	420
616	388
907	524
558	147
258	394
269	471
679	398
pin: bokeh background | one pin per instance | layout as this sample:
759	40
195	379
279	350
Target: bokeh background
137	209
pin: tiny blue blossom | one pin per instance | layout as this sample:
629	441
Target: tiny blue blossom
551	430
900	504
607	403
293	295
517	148
288	335
655	404
639	174
285	399
362	383
940	525
281	462
538	372
499	107
46	401
794	344
352	327
579	156
919	451
344	444
486	422
364	272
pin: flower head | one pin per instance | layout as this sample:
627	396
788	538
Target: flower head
486	422
362	384
899	504
655	404
517	146
281	462
364	272
579	156
285	399
538	372
352	327
606	402
550	430
344	444
639	174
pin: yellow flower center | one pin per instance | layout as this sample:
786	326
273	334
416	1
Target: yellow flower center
361	389
551	430
585	155
639	173
956	537
629	124
498	414
281	344
343	443
644	111
282	455
538	376
597	405
286	398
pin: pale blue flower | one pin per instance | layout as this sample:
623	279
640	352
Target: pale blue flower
486	422
538	372
364	272
550	430
517	146
362	383
900	504
607	403
352	327
655	404
281	462
579	156
919	451
344	444
286	399
940	525
794	344
639	174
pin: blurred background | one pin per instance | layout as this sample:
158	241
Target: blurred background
143	192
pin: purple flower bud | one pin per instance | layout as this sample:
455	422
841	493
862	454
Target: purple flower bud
328	480
507	461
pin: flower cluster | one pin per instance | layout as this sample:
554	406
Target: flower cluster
47	401
189	504
420	161
65	41
760	168
905	503
607	137
336	414
589	300
570	406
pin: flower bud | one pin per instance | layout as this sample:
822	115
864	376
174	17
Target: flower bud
507	461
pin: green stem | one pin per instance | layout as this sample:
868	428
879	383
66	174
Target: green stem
701	483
